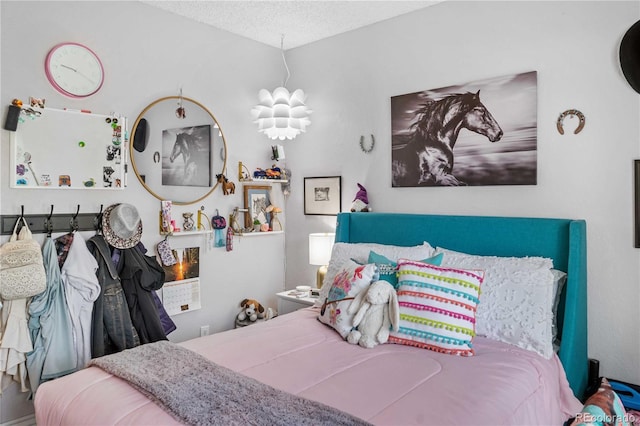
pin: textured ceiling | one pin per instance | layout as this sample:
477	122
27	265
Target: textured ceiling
299	21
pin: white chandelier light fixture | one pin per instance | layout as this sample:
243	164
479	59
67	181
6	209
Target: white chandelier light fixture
281	115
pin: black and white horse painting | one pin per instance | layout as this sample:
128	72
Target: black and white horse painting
186	157
456	136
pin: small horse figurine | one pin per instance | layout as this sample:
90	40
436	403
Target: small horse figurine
228	187
427	159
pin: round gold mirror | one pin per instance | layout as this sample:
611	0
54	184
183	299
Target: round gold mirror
177	148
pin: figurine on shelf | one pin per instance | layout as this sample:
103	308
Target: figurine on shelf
233	221
188	224
36	102
228	187
275	222
165	214
272	173
361	202
260	174
243	172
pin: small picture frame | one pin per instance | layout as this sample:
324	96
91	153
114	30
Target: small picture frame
322	195
256	201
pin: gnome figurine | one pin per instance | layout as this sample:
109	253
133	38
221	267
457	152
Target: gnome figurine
361	202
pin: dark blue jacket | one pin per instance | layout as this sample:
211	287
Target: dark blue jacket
112	329
140	276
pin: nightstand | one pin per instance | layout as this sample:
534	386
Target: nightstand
289	303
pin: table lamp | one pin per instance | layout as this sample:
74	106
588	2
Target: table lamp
320	245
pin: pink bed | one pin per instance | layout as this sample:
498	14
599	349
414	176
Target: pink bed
388	385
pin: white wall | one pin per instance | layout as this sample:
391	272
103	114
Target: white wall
147	54
574	48
349	80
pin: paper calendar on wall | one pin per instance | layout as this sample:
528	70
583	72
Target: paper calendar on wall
181	291
181	296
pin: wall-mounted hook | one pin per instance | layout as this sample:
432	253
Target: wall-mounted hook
74	220
180	111
18	226
97	222
48	224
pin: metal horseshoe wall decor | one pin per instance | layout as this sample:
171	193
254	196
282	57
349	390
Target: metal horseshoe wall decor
571	112
367	149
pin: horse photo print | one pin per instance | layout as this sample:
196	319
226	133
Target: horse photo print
186	156
479	133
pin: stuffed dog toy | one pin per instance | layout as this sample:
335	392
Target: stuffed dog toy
251	310
377	310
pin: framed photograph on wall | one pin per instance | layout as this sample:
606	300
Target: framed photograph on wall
256	201
186	156
322	195
488	126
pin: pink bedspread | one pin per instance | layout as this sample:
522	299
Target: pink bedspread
388	385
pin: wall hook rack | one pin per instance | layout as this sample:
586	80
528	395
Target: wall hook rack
47	223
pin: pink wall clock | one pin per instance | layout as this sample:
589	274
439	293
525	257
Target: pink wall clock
74	70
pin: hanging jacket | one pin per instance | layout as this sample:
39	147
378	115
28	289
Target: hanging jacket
112	329
15	343
50	327
167	323
82	289
63	244
140	275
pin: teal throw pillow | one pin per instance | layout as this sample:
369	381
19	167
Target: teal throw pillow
388	269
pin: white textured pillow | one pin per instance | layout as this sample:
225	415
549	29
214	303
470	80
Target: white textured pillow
359	252
516	303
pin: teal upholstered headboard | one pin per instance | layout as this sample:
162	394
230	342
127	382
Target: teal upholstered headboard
563	240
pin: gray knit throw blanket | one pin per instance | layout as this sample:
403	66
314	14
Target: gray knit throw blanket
197	391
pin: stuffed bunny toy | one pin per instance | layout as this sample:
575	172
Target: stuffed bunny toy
377	308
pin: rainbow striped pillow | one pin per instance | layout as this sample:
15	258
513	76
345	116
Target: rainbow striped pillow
437	307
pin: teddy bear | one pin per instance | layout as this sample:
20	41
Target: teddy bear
377	310
361	202
252	310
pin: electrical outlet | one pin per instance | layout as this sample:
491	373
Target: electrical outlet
204	330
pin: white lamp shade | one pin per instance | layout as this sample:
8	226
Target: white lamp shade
281	115
320	246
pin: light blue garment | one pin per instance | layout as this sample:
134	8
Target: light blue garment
50	327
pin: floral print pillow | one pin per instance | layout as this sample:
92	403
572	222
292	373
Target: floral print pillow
347	283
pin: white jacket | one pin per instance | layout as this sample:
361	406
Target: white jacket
82	289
